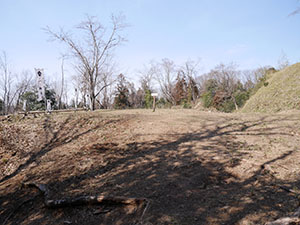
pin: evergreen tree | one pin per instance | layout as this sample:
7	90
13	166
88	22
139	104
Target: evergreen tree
122	93
180	91
32	102
148	99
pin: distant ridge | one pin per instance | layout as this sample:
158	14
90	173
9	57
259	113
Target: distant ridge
280	93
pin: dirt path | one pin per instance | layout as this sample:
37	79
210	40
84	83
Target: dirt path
194	167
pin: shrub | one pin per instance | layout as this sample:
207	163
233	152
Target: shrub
207	99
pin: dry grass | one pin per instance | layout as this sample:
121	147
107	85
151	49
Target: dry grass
282	92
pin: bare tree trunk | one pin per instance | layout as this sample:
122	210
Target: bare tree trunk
234	101
236	106
62	84
5	82
93	101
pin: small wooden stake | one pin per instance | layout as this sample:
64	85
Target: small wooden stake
154	103
154	95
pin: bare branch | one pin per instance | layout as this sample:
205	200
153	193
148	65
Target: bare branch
295	12
96	52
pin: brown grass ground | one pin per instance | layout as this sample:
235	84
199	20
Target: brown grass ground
194	167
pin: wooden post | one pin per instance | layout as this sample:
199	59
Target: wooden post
154	104
154	100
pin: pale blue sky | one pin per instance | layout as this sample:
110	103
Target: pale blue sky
250	33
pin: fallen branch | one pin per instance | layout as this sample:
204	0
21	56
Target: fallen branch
290	190
140	203
85	200
292	220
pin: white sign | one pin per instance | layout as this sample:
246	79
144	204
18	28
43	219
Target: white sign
154	94
40	83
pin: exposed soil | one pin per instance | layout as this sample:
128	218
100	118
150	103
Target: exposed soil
194	167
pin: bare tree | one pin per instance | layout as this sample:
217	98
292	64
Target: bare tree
166	74
283	61
6	80
252	77
296	11
62	83
201	81
226	77
146	76
105	87
59	85
81	88
190	71
12	86
94	51
23	85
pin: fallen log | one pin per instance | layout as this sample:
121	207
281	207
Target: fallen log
52	111
139	203
85	200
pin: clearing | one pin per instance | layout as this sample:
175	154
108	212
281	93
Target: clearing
193	167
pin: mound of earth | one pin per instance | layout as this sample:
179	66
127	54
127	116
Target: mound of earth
281	92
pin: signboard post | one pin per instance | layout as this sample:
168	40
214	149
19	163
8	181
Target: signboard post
154	95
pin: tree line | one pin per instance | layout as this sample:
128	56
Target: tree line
91	52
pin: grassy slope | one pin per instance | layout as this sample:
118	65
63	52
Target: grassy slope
282	92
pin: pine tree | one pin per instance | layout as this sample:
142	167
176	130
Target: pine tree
122	94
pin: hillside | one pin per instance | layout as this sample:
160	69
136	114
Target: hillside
282	92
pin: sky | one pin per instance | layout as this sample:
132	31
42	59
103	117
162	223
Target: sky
249	33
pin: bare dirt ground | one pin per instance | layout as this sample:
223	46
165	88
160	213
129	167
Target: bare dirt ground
193	167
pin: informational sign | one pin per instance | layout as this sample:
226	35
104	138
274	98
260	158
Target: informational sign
40	83
154	94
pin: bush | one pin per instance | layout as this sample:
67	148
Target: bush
148	99
207	99
241	98
186	104
226	106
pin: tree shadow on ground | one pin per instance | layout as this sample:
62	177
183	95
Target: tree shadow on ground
185	177
61	136
68	131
